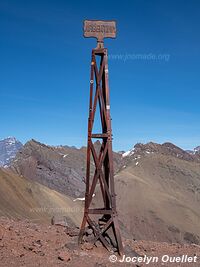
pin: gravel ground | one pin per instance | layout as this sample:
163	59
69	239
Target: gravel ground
25	243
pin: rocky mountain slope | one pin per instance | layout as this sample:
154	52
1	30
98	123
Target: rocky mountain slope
8	150
22	198
158	194
61	168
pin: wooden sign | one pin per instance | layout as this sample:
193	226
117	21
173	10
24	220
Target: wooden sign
100	29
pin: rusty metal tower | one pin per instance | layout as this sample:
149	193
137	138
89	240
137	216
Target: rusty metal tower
103	221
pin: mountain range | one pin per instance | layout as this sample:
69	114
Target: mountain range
157	186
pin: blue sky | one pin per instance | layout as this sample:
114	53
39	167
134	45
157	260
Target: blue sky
154	69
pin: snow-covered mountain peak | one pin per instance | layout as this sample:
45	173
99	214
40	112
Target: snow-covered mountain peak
8	150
